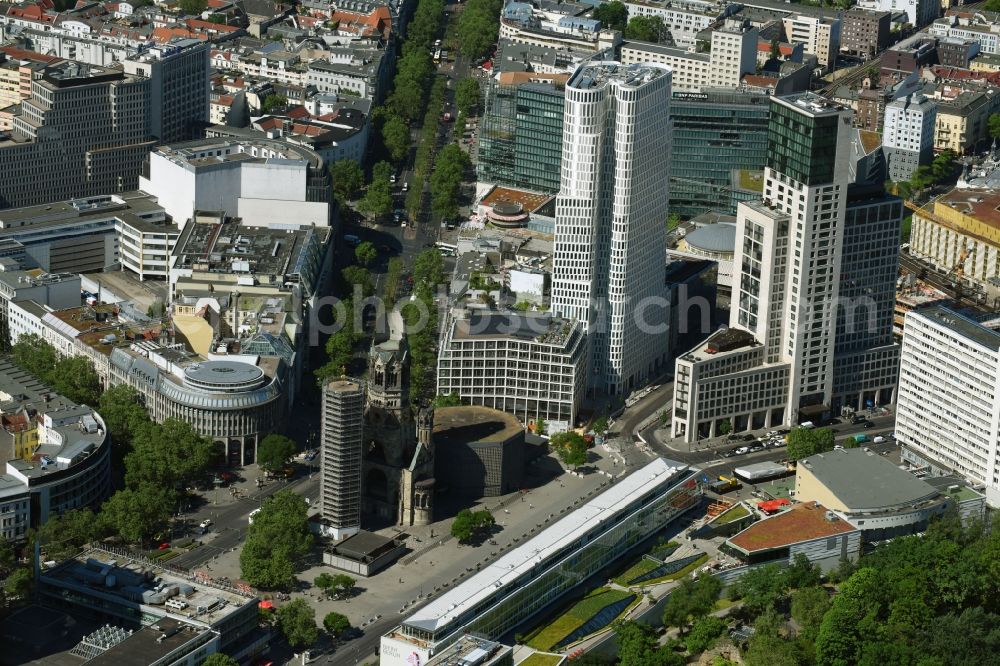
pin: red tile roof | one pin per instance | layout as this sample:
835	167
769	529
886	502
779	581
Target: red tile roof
298	112
803	522
198	24
22	54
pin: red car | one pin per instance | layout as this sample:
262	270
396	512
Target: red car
164	546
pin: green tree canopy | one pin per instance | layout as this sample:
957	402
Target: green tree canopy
450	400
220	659
72	377
994	121
170	454
35	355
570	447
612	15
467	95
644	28
809	605
62	536
140	513
478	26
761	588
17	586
75	378
693	599
347	179
277	541
805	442
273	103
336	624
193	7
365	253
638	646
356	276
274	452
297	621
468	524
396	137
703	633
393	273
121	408
446	181
377	199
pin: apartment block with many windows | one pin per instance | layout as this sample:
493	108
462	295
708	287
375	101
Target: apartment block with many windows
948	408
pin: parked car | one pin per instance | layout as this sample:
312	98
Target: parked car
756	447
869	424
205	524
742	451
748	437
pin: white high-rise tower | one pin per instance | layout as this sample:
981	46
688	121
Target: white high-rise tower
608	268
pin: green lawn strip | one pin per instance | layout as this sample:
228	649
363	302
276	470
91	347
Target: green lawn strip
539	659
677	575
641	567
574	617
733	514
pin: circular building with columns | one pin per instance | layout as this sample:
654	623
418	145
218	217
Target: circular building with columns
235	403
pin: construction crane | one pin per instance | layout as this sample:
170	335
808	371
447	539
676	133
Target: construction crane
958	270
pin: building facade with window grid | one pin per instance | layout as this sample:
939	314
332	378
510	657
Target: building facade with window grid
796	294
714	132
608	263
531	366
948	407
520	140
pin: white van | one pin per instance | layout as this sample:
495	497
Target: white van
808	425
878	440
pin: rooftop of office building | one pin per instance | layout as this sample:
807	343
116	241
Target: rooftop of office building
61	637
73	432
981	204
69	73
99	326
216	244
720	343
130	206
803	522
813	104
597	74
129	581
520	200
720	238
471	651
865	481
510	567
10	281
663	49
960	325
540	327
471	423
204	153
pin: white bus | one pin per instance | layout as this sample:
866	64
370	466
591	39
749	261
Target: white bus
446	248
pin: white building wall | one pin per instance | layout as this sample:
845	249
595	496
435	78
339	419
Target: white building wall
948	403
918	12
173	186
610	248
